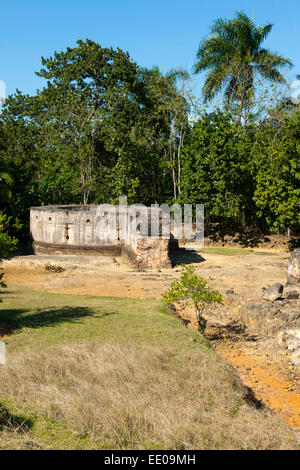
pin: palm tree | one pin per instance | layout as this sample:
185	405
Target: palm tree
232	54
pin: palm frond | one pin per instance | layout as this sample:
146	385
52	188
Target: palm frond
262	32
4	176
215	80
270	73
272	59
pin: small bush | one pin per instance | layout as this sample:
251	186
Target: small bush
7	242
192	290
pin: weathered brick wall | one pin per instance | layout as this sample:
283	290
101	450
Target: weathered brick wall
152	252
148	253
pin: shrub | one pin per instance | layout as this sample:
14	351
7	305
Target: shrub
192	290
7	243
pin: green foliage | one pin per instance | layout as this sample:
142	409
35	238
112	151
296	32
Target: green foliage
6	179
276	159
7	242
232	55
192	290
103	127
215	168
162	129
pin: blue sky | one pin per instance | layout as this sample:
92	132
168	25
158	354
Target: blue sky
164	33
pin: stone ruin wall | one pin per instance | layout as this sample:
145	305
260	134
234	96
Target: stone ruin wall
74	230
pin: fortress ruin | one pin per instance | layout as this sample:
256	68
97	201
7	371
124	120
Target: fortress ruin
75	230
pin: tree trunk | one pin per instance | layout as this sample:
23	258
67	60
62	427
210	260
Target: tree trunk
200	320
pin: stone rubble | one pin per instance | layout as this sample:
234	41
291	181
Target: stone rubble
277	315
274	292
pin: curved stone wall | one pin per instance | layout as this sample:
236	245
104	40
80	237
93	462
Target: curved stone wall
66	225
75	229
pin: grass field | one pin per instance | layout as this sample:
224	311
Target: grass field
226	251
117	373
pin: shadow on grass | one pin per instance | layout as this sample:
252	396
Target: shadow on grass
10	422
17	319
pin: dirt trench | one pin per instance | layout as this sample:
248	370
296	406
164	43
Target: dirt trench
265	369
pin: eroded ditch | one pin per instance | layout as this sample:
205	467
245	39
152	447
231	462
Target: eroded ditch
263	364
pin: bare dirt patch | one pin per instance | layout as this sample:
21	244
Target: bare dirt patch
270	382
247	272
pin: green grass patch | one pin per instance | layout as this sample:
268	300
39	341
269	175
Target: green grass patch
88	372
42	319
226	251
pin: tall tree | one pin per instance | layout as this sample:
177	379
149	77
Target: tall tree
215	169
276	160
232	55
82	119
5	177
162	127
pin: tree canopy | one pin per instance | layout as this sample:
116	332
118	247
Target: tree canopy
103	127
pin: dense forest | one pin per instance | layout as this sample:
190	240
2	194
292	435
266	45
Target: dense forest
103	127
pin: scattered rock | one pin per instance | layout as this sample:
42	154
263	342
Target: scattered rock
296	357
289	339
274	292
269	318
292	292
294	268
231	297
54	268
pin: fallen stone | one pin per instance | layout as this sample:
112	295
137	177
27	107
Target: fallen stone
274	292
289	339
294	268
296	357
292	292
231	297
267	319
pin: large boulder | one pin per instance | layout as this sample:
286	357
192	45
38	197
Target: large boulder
289	339
296	357
267	319
274	292
292	292
294	268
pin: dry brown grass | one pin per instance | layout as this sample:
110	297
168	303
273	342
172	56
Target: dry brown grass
142	397
14	430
